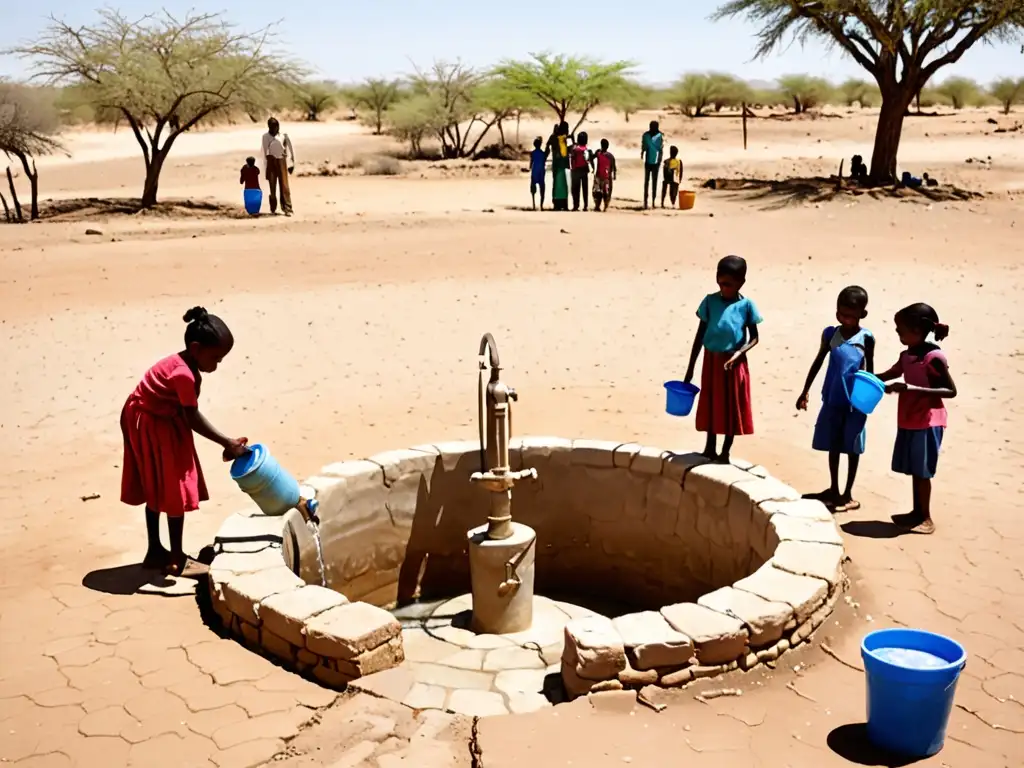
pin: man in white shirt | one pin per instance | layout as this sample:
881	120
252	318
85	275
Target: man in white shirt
279	160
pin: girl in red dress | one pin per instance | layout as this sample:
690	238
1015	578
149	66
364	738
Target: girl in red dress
161	468
727	332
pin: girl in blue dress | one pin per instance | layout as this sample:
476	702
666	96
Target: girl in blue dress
840	427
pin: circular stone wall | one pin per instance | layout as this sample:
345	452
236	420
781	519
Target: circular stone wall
730	566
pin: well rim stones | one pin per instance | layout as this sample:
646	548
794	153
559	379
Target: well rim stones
321	633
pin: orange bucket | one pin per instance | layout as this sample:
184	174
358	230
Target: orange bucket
687	198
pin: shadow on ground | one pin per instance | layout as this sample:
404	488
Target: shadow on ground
872	529
851	743
79	209
776	194
130	580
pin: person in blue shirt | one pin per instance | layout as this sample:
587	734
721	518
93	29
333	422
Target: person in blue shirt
538	160
839	429
652	145
727	332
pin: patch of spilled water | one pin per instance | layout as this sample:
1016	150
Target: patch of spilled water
315	530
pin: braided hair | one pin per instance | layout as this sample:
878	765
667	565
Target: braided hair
206	330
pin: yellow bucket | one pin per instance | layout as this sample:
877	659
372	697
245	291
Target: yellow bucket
687	198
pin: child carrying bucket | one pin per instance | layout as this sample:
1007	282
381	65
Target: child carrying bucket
727	331
921	412
840	428
161	468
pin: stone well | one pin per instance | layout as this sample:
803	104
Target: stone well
725	565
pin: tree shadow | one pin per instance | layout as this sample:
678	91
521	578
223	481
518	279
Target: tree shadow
84	208
777	194
872	529
851	743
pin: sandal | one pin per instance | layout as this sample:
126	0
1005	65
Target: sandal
926	527
186	568
848	506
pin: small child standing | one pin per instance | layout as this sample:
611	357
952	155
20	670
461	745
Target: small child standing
250	176
538	159
727	331
161	468
921	413
604	175
673	176
840	428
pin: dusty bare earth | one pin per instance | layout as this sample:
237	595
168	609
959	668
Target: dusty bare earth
357	322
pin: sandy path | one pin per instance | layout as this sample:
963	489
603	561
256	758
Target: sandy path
357	334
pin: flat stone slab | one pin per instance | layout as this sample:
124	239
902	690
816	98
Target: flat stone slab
820	561
349	630
805	508
789	528
804	593
244	593
764	619
652	641
717	638
477	703
286	614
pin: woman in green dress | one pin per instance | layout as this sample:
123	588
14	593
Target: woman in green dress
558	151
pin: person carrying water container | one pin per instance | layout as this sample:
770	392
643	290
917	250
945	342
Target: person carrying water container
250	175
161	468
727	331
840	428
921	412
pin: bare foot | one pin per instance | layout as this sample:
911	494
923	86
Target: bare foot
709	455
827	497
907	520
723	459
185	566
156	559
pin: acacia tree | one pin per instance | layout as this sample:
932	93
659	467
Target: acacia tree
455	105
901	43
28	123
316	98
567	83
1008	92
162	75
378	96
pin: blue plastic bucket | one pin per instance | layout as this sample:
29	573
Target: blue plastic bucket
253	200
867	391
259	475
679	397
911	681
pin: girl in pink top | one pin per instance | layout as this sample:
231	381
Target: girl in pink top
161	468
921	413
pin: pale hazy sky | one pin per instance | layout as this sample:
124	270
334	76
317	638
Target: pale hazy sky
346	40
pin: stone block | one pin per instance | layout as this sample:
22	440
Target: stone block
332	678
803	593
652	642
713	482
649	461
624	455
717	638
820	561
712	524
286	614
385	656
739	513
244	593
399	463
250	633
677	465
349	630
277	646
593	453
764	619
804	508
356	469
686	519
662	502
249	533
552	450
246	562
575	685
801	529
760	490
594	648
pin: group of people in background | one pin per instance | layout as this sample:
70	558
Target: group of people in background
279	161
572	162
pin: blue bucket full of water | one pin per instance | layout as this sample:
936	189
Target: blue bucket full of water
253	200
867	391
259	475
679	397
911	681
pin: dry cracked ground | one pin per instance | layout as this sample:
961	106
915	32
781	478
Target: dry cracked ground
358	336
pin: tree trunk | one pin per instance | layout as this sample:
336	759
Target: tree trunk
32	173
887	135
7	211
796	105
14	197
152	185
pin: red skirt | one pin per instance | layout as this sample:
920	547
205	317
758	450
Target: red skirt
161	468
723	406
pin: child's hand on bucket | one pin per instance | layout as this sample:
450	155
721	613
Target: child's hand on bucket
236	448
896	386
